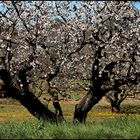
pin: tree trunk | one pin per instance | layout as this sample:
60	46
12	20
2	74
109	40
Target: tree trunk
34	106
27	99
115	106
86	105
58	111
57	107
53	91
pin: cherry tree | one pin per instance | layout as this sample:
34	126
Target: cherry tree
113	37
30	50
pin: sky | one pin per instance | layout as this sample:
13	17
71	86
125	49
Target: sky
137	5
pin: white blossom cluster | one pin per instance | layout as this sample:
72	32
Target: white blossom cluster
68	35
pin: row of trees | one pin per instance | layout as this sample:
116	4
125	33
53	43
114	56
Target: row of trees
59	41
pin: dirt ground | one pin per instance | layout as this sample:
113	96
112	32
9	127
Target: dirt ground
12	110
103	101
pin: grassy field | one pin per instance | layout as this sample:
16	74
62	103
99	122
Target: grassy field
16	122
116	128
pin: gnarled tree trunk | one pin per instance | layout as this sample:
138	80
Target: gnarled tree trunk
27	99
86	104
116	100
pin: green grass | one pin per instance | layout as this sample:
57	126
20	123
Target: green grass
126	127
17	123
